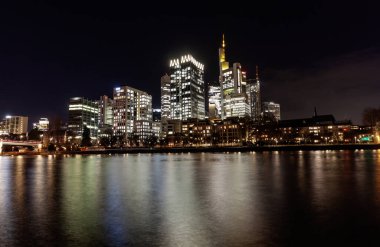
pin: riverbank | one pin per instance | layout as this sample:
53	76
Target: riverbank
213	149
234	149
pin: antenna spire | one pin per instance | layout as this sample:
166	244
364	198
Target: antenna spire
223	43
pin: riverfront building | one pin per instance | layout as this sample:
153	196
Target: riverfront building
233	83
187	88
214	101
132	113
83	112
14	125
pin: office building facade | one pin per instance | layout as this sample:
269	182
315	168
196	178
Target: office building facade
187	88
132	113
233	84
42	125
214	101
14	125
165	97
83	112
105	111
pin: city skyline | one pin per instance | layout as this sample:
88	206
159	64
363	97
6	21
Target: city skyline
333	72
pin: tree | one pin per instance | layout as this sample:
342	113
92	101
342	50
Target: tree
35	135
51	147
86	139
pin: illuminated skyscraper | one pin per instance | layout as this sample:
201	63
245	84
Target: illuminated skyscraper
105	111
132	112
165	97
214	101
83	112
233	83
187	88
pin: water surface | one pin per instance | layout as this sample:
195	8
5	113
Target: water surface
201	199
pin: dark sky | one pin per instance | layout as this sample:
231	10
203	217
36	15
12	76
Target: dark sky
311	54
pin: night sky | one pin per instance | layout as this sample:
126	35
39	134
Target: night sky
310	54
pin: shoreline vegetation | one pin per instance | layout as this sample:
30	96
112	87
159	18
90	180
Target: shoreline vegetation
210	149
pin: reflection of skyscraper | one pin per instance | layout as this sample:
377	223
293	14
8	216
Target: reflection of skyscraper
187	89
272	110
165	97
254	96
214	101
233	83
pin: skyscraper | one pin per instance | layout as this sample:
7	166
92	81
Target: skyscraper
255	96
105	111
165	97
214	101
83	112
132	112
187	88
233	83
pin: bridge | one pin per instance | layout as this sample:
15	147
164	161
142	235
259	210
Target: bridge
34	144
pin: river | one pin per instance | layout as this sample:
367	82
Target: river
300	198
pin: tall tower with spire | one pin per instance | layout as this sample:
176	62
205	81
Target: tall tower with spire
233	87
223	64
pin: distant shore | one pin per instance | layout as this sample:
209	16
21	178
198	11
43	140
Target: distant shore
213	149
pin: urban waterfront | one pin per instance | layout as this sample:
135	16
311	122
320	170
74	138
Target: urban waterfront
191	199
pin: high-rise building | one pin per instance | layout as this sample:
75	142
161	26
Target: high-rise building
83	112
272	110
255	96
14	125
42	125
165	97
105	111
132	112
233	84
187	88
214	101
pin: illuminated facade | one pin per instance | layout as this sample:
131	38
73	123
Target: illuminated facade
105	111
165	97
83	112
214	102
272	109
14	125
187	89
42	125
156	128
132	113
233	84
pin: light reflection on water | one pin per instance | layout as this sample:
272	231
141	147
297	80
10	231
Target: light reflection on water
235	199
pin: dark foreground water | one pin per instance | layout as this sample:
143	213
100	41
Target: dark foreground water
317	198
